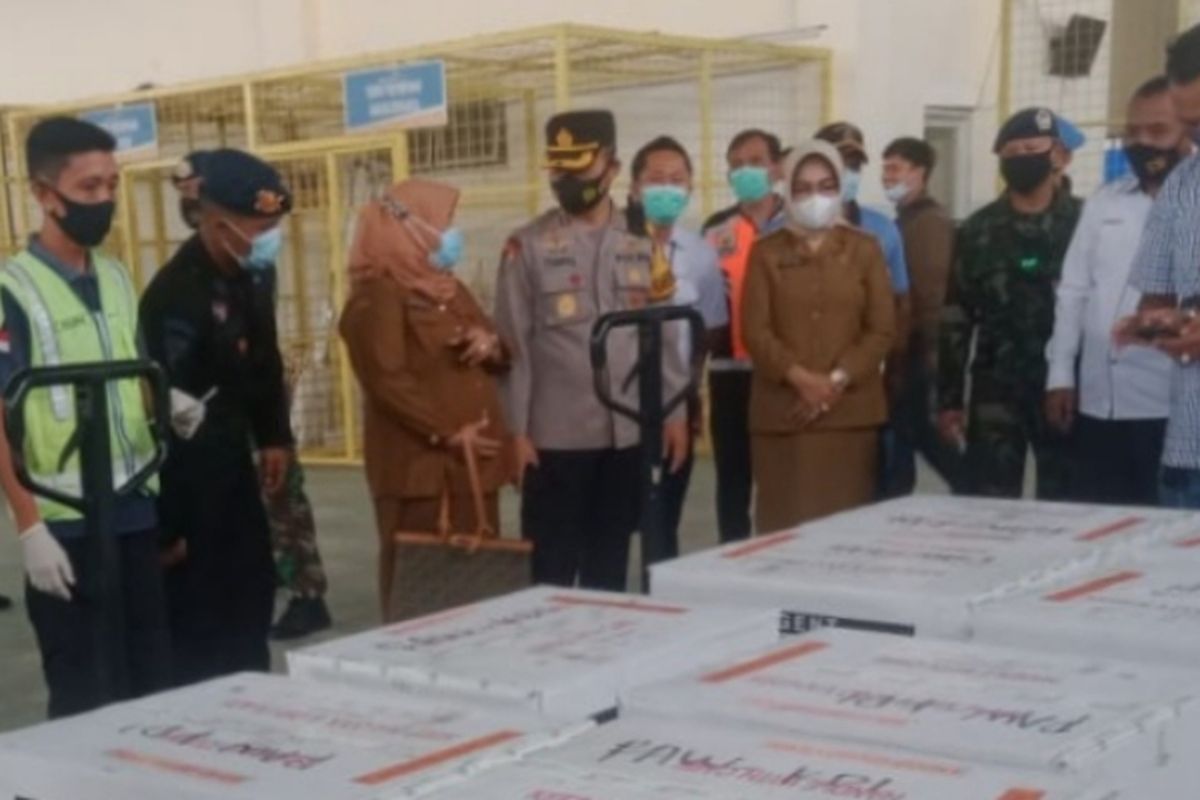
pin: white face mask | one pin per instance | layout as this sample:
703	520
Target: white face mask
818	211
896	192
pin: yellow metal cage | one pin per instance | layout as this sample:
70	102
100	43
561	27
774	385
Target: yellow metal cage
501	88
1050	56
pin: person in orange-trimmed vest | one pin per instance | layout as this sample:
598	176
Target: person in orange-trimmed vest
66	302
754	158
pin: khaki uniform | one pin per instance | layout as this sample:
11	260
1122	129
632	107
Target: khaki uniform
556	279
823	311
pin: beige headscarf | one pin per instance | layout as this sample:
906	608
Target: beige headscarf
385	244
815	148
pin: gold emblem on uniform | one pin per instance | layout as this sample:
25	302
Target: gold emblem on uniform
564	139
268	202
635	276
566	306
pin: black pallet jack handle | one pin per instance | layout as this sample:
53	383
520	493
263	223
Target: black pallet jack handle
652	409
101	588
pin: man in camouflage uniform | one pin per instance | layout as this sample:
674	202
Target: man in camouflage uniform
1009	257
298	564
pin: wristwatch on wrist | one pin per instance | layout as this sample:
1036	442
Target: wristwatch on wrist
840	378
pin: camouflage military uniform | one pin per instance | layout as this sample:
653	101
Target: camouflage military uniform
1001	294
294	537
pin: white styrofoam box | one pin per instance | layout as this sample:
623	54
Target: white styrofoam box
1137	610
911	566
567	652
1004	706
746	764
260	737
529	781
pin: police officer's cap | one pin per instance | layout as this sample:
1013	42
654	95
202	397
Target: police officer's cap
846	137
575	138
243	184
1029	123
190	167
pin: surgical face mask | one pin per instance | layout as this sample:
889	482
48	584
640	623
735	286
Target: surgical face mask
851	182
750	184
449	251
86	224
1152	165
897	192
1025	173
577	195
664	203
817	212
264	248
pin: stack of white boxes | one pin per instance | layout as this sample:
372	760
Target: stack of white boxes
1080	683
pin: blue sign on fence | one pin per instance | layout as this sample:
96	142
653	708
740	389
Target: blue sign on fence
407	96
135	127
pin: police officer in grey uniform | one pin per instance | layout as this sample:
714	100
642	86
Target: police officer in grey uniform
578	461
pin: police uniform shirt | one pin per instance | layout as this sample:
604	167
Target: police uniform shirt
132	513
212	330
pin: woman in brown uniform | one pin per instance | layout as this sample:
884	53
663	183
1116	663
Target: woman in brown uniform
426	356
818	319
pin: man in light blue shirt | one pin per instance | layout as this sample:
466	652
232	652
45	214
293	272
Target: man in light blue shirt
897	461
661	190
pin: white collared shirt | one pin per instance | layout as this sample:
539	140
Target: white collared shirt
699	282
1114	383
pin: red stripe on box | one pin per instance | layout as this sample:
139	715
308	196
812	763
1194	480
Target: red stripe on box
1092	587
763	662
1188	543
177	767
428	620
1022	794
402	769
1109	530
758	545
624	605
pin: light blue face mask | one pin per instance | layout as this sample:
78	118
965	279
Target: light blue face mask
851	181
750	184
264	250
664	203
449	252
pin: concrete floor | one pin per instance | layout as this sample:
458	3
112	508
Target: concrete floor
346	534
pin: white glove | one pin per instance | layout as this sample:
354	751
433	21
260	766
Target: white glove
187	414
46	562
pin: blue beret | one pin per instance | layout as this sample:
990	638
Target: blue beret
241	183
1072	137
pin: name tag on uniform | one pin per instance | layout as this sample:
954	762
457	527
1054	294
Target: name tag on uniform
71	323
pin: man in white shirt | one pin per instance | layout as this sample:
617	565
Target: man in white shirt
1119	405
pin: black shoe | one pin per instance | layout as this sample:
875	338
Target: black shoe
5	603
302	617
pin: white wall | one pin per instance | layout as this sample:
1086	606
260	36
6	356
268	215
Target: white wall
893	57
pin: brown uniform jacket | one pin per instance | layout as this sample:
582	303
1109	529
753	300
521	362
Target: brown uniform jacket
416	393
928	234
822	311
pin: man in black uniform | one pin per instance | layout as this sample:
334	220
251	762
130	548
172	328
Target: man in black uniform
212	328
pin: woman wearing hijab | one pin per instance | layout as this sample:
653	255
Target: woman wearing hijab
818	321
426	356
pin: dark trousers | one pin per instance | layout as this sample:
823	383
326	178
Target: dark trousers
1118	460
673	491
66	630
912	431
729	399
580	508
221	596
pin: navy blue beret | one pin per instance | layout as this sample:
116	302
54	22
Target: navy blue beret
242	183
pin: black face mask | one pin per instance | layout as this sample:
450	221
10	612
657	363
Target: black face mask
1025	173
86	224
189	209
1152	165
577	195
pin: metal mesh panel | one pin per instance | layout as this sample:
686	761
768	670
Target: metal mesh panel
501	90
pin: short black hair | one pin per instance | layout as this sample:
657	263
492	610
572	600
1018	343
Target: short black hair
1154	87
1183	57
917	152
658	145
53	141
774	146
